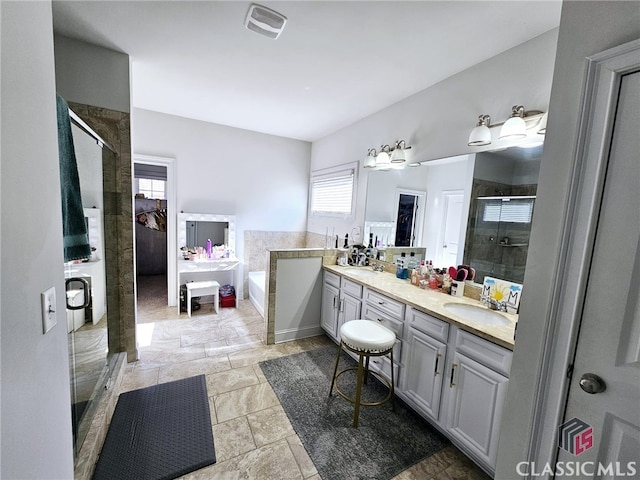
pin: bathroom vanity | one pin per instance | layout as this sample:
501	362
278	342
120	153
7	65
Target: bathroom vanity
452	357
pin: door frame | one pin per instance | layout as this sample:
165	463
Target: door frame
172	214
446	196
603	76
418	219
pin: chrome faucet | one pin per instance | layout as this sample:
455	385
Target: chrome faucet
493	304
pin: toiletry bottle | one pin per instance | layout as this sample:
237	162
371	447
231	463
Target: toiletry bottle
346	240
208	248
400	266
412	261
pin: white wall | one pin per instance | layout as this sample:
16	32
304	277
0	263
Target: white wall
35	411
381	192
92	75
261	179
437	121
456	174
586	28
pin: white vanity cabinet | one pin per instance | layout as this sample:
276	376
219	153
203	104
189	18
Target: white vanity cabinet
341	301
455	379
350	307
390	313
330	304
424	359
476	385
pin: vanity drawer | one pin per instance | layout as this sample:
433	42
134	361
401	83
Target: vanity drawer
332	279
434	327
484	351
391	307
370	313
352	288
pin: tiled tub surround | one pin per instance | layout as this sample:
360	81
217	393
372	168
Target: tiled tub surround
429	301
257	245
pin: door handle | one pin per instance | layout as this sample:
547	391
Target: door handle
86	292
435	370
592	383
453	369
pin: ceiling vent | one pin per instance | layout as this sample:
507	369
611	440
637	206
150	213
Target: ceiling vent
265	21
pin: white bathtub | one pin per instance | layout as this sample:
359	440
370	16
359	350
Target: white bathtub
257	282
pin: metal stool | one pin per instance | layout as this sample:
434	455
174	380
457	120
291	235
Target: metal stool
366	339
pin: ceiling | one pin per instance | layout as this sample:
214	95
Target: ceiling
335	62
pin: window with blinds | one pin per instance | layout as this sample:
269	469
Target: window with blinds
332	192
508	210
152	188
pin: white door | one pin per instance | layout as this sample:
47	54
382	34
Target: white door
447	254
475	398
329	309
607	358
424	372
349	309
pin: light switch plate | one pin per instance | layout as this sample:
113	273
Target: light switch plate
48	302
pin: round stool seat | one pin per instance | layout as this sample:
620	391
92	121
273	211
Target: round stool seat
367	335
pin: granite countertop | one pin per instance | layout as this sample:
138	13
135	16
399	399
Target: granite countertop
429	301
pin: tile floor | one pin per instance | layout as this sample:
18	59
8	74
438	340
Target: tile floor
253	437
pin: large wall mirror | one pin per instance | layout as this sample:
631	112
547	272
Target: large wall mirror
493	208
194	229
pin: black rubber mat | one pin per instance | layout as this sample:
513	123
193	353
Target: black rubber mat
159	432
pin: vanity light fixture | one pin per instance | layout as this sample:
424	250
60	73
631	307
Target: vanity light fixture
370	159
383	160
514	127
542	127
398	155
481	135
388	157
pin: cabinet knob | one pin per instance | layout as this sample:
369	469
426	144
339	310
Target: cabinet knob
435	370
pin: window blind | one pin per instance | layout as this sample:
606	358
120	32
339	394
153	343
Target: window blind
332	194
514	211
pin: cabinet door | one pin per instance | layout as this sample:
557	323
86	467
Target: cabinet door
475	400
350	309
423	373
329	314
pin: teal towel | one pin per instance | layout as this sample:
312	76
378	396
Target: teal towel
74	228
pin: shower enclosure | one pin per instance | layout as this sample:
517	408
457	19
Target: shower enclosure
498	237
91	362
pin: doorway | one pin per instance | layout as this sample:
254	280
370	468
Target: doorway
449	243
155	232
409	205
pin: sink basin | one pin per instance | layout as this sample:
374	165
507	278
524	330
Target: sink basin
477	314
360	271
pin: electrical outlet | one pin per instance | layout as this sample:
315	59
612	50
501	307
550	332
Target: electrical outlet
48	303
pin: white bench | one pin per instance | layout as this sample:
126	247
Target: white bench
199	289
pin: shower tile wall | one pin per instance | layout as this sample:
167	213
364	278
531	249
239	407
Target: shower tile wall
480	245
